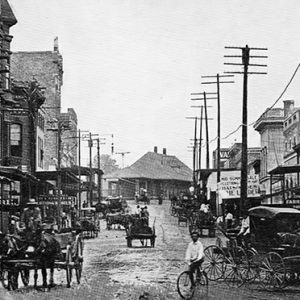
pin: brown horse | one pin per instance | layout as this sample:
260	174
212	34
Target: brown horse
46	250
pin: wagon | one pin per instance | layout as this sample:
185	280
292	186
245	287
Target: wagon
271	258
71	260
139	230
118	219
201	221
89	222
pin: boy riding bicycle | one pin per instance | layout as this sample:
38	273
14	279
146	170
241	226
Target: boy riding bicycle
194	256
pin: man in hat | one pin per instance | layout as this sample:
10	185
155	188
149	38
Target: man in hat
194	256
32	216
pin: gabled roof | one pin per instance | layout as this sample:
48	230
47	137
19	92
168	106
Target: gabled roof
156	166
6	13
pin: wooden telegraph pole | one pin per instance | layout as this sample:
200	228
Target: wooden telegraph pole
204	94
245	64
218	82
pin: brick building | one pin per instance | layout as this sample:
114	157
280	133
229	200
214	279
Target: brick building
47	68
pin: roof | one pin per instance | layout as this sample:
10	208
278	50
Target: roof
271	212
7	14
153	165
66	174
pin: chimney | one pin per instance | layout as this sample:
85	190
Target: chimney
155	149
55	48
164	151
288	106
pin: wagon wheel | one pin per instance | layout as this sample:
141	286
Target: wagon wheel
171	210
25	276
13	280
272	273
129	242
236	268
213	263
4	278
68	265
78	258
254	263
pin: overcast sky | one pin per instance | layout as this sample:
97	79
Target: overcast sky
130	66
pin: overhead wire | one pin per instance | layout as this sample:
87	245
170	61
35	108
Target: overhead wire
269	108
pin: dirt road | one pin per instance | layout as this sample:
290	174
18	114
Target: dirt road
114	271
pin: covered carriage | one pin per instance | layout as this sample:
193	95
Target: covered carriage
270	257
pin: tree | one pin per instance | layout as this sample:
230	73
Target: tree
107	163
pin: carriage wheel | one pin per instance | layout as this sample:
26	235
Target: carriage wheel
68	266
213	263
13	280
25	277
236	268
152	242
254	263
272	273
78	258
129	242
4	278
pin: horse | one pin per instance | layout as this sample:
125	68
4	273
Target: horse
47	250
13	247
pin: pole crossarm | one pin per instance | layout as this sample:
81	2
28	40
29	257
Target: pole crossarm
197	99
210	93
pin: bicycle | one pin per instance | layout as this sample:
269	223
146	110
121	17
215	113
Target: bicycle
185	288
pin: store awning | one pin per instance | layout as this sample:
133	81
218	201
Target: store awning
67	176
14	173
285	170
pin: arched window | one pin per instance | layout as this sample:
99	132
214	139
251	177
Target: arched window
16	140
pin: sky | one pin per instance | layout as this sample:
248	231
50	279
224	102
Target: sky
131	65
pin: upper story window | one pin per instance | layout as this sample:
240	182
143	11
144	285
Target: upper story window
295	117
16	140
290	144
294	141
290	121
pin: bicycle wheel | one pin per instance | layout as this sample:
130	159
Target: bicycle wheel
184	286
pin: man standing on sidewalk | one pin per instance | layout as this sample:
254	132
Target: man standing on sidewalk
194	256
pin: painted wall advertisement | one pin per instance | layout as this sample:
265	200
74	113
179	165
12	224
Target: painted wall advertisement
230	186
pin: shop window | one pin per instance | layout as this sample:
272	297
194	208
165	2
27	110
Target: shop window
16	140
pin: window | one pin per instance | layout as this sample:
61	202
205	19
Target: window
290	144
294	141
40	152
285	124
290	121
295	117
286	145
16	140
7	74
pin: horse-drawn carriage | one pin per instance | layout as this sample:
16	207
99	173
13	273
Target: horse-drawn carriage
119	219
139	229
110	205
270	258
62	251
201	221
89	222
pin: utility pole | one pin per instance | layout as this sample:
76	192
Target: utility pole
59	129
218	76
122	154
89	138
244	161
99	170
206	121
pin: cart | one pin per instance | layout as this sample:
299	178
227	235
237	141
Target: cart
139	230
89	222
22	262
